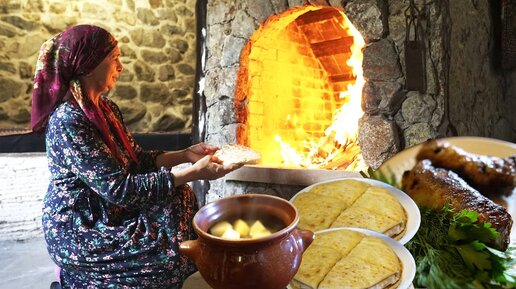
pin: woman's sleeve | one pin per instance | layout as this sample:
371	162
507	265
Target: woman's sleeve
146	159
88	157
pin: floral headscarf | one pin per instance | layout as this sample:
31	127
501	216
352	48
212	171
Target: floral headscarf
61	61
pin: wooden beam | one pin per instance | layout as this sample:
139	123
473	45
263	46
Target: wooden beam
331	47
341	77
318	16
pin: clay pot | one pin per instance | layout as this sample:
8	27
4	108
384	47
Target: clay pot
264	263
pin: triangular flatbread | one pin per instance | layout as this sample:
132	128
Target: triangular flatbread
380	200
375	251
316	213
353	273
317	261
364	218
341	240
345	190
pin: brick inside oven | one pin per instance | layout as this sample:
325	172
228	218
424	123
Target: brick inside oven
292	73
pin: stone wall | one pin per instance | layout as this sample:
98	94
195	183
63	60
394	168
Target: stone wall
395	118
157	40
482	95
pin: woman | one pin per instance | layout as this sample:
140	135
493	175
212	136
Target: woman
113	215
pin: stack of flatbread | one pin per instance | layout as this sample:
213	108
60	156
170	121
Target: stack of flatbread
351	203
348	259
237	154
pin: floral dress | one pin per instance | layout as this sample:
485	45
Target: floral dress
109	225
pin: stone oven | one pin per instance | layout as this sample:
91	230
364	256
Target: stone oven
266	62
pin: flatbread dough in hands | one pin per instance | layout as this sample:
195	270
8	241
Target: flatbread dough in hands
237	154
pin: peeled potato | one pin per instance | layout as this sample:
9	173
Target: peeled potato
257	226
219	228
241	227
259	234
231	234
258	230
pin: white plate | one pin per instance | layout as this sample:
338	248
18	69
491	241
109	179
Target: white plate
413	215
405	160
408	264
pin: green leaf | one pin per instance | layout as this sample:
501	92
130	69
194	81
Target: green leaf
451	252
473	256
386	176
466	216
464	227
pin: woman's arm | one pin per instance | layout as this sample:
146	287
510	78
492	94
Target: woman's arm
204	169
82	150
170	159
188	155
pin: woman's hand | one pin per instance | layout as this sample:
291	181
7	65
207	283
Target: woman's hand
208	169
204	169
198	151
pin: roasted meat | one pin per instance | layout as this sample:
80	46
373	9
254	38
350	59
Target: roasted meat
436	187
492	176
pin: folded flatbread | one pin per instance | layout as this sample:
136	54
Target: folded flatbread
317	213
375	251
381	202
353	273
363	218
342	241
361	205
317	261
237	154
348	259
346	190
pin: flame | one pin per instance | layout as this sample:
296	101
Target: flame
293	112
338	148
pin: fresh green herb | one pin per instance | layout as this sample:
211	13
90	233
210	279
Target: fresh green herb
451	252
386	176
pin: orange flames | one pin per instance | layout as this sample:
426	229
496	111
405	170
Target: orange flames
310	128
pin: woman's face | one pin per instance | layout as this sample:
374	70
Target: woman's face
104	76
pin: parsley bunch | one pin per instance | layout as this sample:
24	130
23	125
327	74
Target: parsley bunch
451	252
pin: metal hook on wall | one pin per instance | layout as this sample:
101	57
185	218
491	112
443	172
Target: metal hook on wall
415	76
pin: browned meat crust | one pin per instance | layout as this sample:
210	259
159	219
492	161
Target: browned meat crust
436	187
492	176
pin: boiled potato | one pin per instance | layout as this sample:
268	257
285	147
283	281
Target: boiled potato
259	234
219	228
241	227
258	230
231	234
239	230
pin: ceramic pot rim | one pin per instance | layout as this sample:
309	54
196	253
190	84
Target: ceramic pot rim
243	242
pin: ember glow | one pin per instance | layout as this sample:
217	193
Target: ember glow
315	126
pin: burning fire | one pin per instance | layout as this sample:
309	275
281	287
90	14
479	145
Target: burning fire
312	128
338	149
